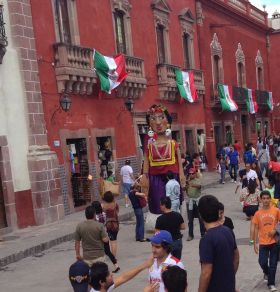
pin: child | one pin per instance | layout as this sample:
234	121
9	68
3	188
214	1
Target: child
223	165
100	216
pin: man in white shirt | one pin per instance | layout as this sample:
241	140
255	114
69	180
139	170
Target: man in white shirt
161	249
127	180
172	189
101	279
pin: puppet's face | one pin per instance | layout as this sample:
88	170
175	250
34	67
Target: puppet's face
158	122
151	134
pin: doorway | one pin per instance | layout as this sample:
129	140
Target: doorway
244	124
229	135
105	156
79	171
190	142
217	137
3	220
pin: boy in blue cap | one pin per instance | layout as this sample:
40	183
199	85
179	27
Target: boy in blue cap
161	249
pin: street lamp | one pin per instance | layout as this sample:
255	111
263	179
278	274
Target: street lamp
129	103
65	102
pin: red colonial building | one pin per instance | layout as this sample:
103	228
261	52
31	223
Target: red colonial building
221	41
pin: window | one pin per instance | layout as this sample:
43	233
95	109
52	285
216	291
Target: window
186	46
160	44
216	70
260	78
240	75
63	21
120	32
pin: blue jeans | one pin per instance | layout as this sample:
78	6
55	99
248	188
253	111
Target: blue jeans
177	247
233	167
270	252
223	173
139	228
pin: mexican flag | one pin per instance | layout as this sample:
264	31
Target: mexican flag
185	84
252	105
270	101
110	70
227	102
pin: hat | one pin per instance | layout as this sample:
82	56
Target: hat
127	161
161	236
79	276
192	170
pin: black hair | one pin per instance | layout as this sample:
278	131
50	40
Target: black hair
170	174
89	212
99	273
108	197
263	146
167	247
168	116
221	207
109	173
252	185
265	193
174	279
127	162
165	201
195	155
208	207
97	207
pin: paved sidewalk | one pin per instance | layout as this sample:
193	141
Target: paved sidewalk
34	240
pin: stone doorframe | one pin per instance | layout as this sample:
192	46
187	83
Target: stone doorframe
97	132
226	124
7	183
75	134
194	128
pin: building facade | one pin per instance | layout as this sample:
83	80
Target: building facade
71	129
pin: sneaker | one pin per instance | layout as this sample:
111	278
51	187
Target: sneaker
235	181
232	180
126	205
265	277
272	288
190	238
223	182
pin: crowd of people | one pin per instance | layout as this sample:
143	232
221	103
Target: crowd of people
259	186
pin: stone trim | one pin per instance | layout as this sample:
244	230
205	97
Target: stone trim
199	13
7	183
216	50
124	6
73	22
240	59
161	11
186	21
259	66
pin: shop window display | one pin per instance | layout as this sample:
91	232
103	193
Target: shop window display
79	171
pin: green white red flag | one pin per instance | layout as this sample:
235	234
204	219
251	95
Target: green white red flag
185	84
226	99
110	70
270	102
252	105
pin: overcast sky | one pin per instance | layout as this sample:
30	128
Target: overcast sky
271	5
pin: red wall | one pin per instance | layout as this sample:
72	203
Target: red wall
275	73
96	31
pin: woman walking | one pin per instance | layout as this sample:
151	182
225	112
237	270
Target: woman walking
101	218
263	158
111	209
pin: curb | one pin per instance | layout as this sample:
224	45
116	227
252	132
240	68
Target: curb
37	249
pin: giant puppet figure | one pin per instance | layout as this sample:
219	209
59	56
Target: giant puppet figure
161	154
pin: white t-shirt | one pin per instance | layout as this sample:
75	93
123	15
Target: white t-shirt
251	174
126	171
111	288
155	271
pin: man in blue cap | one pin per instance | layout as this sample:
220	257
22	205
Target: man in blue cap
161	249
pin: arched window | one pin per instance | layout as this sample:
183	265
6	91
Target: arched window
240	66
186	46
62	16
217	61
240	74
160	44
120	32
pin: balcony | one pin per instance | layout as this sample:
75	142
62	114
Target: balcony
135	83
167	82
262	97
73	69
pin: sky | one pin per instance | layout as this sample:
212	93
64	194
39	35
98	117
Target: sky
271	5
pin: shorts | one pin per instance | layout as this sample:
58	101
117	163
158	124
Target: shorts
250	210
112	235
126	188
